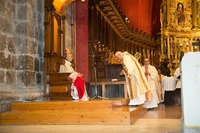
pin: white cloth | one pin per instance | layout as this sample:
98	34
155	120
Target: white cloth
177	74
67	68
152	78
169	83
160	88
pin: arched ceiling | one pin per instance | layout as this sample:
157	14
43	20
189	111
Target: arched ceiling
61	5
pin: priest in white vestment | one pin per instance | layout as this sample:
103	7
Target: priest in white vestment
136	82
151	73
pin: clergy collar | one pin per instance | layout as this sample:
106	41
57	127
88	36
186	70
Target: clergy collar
66	61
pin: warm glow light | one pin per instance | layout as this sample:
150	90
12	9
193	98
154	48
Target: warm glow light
61	5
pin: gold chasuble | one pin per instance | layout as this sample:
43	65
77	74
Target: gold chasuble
135	78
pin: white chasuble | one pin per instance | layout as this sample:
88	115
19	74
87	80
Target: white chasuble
136	82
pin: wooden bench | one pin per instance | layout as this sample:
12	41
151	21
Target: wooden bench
58	86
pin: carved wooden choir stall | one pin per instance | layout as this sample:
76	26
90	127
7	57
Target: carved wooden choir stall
56	85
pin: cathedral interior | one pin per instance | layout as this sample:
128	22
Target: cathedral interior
35	33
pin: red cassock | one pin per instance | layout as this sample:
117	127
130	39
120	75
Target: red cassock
80	85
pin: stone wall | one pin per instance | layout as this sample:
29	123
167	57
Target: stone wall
21	50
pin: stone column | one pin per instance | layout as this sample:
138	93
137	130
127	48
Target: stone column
63	35
190	122
21	51
82	38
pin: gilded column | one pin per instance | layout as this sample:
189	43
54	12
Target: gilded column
168	13
190	46
168	47
162	41
194	16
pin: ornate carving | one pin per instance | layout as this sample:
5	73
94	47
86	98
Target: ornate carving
163	14
173	4
179	32
188	3
180	17
198	13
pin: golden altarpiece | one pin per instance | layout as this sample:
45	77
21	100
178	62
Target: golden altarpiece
180	26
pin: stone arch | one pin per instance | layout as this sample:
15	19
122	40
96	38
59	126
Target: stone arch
61	5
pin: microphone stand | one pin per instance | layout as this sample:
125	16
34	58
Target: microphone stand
95	76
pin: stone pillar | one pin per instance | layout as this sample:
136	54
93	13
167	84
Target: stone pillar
190	67
21	51
82	38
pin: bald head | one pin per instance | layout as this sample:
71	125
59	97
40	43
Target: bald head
119	55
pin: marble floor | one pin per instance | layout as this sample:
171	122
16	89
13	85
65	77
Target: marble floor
160	120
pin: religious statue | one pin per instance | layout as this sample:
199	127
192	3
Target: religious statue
163	15
180	14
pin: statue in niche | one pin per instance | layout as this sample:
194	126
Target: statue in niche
180	14
172	20
165	45
163	14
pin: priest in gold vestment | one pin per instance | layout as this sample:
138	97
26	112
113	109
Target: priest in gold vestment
136	82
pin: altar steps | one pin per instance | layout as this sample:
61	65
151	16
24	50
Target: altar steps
70	112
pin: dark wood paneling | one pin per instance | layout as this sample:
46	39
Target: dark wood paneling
109	28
